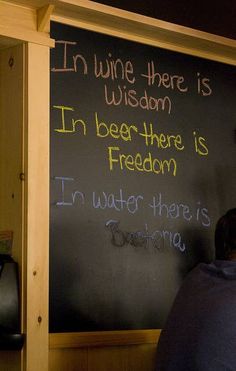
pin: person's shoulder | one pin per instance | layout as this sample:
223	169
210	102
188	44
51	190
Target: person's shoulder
197	274
224	268
199	268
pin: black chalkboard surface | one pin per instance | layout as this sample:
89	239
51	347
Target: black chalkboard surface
142	165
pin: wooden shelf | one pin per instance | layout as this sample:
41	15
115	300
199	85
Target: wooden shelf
102	338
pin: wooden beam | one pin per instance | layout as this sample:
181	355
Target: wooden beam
135	27
43	17
19	24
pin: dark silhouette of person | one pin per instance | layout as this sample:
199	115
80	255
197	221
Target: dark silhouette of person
200	331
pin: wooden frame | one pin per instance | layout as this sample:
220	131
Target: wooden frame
24	205
24	34
103	338
130	26
24	131
37	205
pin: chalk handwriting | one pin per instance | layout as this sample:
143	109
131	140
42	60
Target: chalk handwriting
127	132
122	131
200	144
118	202
122	201
203	85
129	97
157	239
73	124
165	80
179	210
114	69
161	140
69	198
78	62
141	163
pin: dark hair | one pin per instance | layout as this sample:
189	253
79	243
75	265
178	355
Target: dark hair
225	235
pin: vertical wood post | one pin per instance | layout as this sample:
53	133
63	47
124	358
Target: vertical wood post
36	206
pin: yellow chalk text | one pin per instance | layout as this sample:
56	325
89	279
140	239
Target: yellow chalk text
122	131
161	140
139	162
69	125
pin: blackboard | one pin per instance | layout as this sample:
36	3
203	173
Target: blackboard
142	166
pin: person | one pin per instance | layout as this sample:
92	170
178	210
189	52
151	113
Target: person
200	331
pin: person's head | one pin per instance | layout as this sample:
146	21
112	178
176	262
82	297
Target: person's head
225	236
